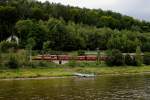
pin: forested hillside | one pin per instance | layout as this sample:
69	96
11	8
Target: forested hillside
67	28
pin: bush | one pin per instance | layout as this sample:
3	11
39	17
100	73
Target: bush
12	63
147	58
81	53
138	56
115	57
0	56
72	63
6	46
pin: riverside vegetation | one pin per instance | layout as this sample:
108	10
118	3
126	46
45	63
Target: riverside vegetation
16	64
54	27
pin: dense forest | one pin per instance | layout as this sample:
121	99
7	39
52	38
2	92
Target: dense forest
66	28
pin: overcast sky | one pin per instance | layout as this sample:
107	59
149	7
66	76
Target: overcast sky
137	8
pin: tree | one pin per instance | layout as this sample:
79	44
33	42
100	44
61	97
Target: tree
7	46
12	62
8	18
146	46
0	56
115	57
24	28
28	29
29	46
71	28
98	56
138	56
46	46
38	14
146	58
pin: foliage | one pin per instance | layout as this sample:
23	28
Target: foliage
146	46
0	54
46	46
81	52
42	64
72	63
115	57
88	64
29	46
30	43
8	18
69	36
71	28
146	58
7	46
138	56
12	63
123	41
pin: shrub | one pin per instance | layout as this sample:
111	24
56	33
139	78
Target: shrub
138	56
115	57
0	56
6	46
12	63
43	64
72	63
81	53
147	58
88	64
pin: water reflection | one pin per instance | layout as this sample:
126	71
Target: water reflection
101	88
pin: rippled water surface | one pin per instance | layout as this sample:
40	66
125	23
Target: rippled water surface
131	87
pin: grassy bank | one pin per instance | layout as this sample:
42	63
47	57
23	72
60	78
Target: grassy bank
67	71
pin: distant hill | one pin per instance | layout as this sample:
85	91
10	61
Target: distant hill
95	17
71	28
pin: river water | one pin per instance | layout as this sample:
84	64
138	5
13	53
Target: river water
127	87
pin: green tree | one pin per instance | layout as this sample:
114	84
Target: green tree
146	58
98	56
115	57
29	46
8	18
24	28
146	46
138	56
27	29
46	46
7	46
38	14
0	56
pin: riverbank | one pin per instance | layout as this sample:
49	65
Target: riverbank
67	71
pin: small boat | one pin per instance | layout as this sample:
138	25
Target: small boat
84	75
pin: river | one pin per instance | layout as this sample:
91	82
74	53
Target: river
125	87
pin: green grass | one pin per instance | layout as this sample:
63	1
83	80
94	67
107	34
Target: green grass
34	72
67	71
115	70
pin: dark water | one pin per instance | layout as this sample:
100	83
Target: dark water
101	88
